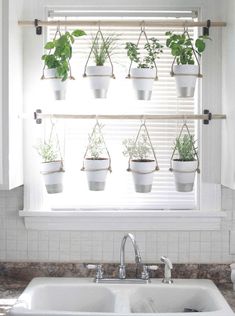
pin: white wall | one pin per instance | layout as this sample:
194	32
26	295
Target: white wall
228	96
11	172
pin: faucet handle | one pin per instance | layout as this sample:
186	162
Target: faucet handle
146	270
99	270
152	267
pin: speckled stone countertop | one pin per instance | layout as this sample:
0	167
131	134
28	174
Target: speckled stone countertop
14	277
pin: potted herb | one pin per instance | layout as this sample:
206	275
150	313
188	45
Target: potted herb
185	166
144	74
186	53
51	166
141	166
100	74
57	61
95	163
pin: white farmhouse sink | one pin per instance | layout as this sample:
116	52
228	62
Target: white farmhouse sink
82	297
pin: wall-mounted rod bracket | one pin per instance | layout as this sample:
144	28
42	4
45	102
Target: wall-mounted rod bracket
206	117
207	121
38	27
206	29
36	114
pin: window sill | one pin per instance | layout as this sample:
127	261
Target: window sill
93	220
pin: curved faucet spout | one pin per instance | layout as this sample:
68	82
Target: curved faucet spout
138	260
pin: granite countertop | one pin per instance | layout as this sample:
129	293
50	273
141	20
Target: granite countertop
10	290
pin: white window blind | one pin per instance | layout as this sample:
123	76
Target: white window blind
119	192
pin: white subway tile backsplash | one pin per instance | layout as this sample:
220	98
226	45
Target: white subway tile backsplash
53	256
43	255
195	236
32	235
33	246
2	255
33	255
18	244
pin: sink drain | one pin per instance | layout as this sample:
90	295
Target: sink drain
190	310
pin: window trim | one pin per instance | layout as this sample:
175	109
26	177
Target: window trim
93	220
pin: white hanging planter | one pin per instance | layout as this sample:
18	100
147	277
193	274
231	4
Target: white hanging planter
185	78
53	176
184	173
96	171
143	79
99	77
58	86
143	171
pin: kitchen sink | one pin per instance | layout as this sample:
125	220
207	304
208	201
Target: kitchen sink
80	296
173	299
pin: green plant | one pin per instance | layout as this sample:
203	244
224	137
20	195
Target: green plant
96	145
185	147
101	48
139	149
60	53
182	47
48	150
153	49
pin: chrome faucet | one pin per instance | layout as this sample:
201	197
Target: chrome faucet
146	269
138	260
167	270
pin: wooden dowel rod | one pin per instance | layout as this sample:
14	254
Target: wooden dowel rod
125	23
132	117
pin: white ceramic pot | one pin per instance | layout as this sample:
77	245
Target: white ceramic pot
142	175
186	80
53	176
99	77
96	170
58	86
184	172
143	79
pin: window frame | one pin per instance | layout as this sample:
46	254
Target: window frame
209	201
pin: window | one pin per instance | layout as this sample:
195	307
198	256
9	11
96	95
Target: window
73	134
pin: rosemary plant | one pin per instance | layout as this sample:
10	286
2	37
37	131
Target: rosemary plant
139	150
48	151
185	147
96	146
101	48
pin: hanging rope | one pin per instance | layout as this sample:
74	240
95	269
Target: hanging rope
61	169
97	125
99	33
143	126
57	33
142	32
195	53
184	126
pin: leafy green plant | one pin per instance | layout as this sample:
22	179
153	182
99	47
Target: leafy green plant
185	147
182	47
96	145
152	49
139	150
60	53
101	48
48	150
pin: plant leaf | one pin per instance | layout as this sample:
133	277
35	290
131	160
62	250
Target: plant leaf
78	33
49	45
